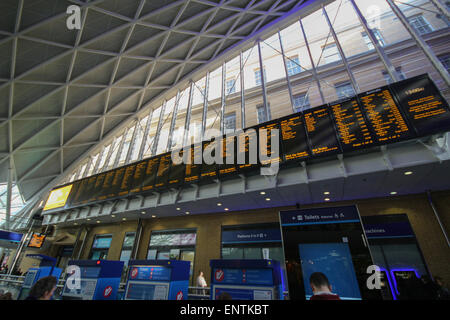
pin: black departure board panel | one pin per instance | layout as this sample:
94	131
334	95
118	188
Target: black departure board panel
267	150
148	181
404	110
162	175
425	108
192	169
321	133
228	167
176	173
138	177
293	138
352	129
384	116
246	140
127	180
209	171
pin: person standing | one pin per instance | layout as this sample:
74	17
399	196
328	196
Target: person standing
43	289
321	287
201	282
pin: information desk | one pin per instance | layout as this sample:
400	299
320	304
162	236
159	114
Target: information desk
100	280
157	280
46	268
246	279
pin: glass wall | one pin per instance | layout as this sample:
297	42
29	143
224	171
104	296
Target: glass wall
303	65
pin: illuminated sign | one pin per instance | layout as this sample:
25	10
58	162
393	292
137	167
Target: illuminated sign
58	197
36	241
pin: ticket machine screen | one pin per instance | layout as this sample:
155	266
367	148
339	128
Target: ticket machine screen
29	279
147	291
84	292
334	260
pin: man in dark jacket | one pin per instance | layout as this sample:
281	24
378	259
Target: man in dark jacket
321	287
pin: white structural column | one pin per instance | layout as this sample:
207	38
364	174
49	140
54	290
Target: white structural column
205	106
263	83
145	137
173	122
222	106
313	65
9	195
133	140
421	43
341	52
379	49
187	120
288	79
158	131
241	72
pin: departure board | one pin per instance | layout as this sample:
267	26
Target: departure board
95	193
294	141
267	149
78	196
384	116
321	133
423	105
116	182
73	193
228	167
192	173
89	190
352	129
209	171
148	181
138	176
247	140
162	175
176	173
127	180
107	183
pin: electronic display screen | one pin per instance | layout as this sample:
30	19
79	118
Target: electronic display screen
86	290
384	116
116	182
268	152
247	140
138	176
87	194
321	133
148	181
176	173
36	241
127	180
335	262
58	197
162	175
209	171
79	193
106	187
146	291
192	173
423	105
351	127
293	138
98	187
228	167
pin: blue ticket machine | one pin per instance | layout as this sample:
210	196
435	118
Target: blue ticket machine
157	280
46	268
99	280
246	279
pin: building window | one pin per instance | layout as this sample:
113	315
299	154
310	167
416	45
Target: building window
258	76
301	102
230	122
369	43
445	60
100	247
127	247
400	75
331	53
344	90
293	66
230	86
262	114
420	24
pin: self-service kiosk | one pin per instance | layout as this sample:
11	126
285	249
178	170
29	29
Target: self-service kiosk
46	268
157	280
99	280
246	279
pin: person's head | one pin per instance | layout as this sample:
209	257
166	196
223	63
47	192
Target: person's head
200	273
319	282
224	296
43	289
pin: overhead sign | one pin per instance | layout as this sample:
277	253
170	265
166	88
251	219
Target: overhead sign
344	214
10	236
408	109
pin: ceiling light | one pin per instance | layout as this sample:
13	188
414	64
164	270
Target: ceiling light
393	192
143	212
88	219
226	209
326	193
98	221
219	204
267	199
327	199
262	193
113	216
153	216
178	209
187	212
124	219
407	173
